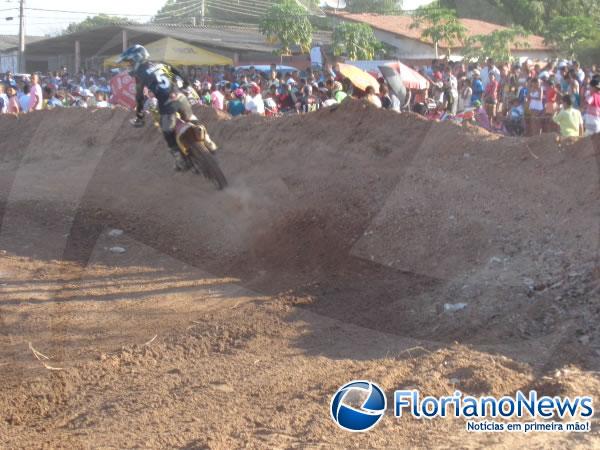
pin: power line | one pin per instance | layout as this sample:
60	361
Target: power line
232	12
184	4
177	12
88	12
219	7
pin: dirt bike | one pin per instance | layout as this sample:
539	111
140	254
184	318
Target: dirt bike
190	139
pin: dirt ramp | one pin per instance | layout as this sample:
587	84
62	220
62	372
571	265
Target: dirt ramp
506	209
431	199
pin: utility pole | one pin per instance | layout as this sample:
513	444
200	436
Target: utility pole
202	14
21	62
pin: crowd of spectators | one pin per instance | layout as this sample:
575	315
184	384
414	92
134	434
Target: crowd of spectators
24	93
270	92
518	99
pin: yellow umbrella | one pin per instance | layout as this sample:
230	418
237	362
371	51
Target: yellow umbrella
179	53
358	77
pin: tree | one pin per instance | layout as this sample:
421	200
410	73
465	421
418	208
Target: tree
356	41
287	22
497	45
101	20
374	6
568	33
533	15
439	25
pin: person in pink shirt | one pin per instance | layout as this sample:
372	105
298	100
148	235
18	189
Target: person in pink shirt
13	101
592	110
217	99
36	102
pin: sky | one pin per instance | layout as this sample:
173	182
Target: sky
41	23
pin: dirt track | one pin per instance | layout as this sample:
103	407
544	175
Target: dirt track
330	258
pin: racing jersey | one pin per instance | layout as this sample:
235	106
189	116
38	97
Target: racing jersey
162	79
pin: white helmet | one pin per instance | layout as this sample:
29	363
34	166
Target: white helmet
136	54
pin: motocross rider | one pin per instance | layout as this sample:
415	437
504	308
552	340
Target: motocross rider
167	84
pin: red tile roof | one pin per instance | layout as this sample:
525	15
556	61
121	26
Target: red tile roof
400	25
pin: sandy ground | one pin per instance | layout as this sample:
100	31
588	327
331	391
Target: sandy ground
230	319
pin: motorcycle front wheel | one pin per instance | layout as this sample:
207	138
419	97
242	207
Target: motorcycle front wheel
205	163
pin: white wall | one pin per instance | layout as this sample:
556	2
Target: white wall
406	48
412	49
8	62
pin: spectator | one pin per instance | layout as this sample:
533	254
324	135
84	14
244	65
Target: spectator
477	87
451	84
13	101
36	101
52	102
25	99
386	99
271	101
9	80
101	100
217	98
578	72
489	69
573	90
552	95
254	101
466	92
337	92
491	98
372	97
481	116
235	106
569	119
592	111
286	98
514	123
535	104
3	100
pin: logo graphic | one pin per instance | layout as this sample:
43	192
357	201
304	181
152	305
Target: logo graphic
358	406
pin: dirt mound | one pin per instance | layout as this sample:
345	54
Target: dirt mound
350	205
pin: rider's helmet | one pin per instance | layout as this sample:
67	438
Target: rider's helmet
136	54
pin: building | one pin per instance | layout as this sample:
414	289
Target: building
408	44
88	49
9	51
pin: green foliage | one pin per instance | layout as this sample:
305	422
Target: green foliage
101	20
287	23
530	14
439	25
356	41
496	45
569	33
533	15
588	53
374	6
477	9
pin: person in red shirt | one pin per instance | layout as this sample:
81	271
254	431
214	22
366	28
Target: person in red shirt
490	96
552	93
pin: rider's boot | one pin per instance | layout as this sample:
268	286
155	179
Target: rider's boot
181	164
